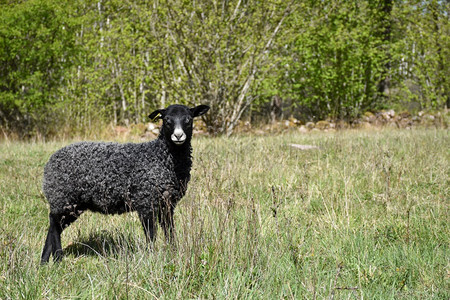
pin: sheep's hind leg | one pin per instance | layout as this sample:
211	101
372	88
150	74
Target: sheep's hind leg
52	244
53	241
61	223
48	246
148	223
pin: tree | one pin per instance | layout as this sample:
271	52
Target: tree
422	51
36	50
93	62
383	11
216	52
334	62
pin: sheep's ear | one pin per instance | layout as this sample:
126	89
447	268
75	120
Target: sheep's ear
157	114
199	110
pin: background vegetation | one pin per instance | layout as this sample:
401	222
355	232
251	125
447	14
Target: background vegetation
74	65
365	216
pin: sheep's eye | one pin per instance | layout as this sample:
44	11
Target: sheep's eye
169	121
187	120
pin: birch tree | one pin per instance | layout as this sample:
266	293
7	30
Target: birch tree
216	52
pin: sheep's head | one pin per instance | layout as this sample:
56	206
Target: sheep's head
178	121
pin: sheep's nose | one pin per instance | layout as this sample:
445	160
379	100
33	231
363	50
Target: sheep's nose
178	136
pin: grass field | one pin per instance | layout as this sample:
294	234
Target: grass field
365	216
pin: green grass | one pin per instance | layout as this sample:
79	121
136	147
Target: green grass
363	217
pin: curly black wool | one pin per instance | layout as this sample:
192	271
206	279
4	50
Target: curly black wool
112	178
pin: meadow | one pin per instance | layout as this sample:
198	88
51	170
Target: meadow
363	216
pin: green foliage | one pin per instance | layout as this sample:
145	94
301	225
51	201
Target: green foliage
85	62
422	50
336	64
215	53
36	49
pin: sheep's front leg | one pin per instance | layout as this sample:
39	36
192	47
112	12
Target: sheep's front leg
167	223
148	223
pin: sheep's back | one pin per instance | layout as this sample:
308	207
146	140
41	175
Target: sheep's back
98	176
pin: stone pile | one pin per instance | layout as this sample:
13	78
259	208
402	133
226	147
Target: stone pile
369	120
388	118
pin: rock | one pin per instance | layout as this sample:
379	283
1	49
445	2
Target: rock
392	125
428	120
303	147
404	115
403	123
199	132
150	126
368	117
365	125
416	119
310	125
341	124
387	115
322	125
155	131
302	129
391	113
295	121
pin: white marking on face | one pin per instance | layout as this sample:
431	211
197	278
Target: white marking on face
178	136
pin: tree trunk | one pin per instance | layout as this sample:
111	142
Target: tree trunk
386	33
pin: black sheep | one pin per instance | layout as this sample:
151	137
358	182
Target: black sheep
111	178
